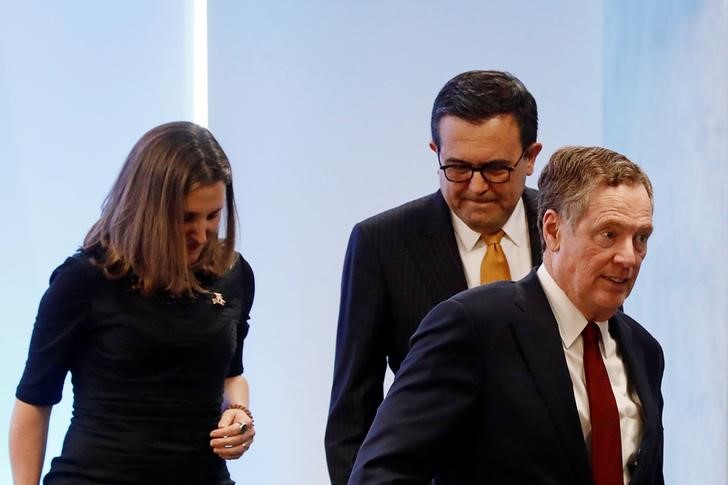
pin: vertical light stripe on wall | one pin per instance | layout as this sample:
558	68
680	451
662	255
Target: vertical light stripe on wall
199	62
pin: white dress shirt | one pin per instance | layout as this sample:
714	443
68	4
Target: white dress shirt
571	323
516	246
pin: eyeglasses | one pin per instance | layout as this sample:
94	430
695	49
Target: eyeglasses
496	172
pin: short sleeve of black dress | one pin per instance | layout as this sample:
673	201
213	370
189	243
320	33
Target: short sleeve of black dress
57	334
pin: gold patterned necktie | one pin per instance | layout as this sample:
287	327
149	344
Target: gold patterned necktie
494	266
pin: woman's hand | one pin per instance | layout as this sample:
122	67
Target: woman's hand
234	434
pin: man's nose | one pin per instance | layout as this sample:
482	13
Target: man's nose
478	184
626	253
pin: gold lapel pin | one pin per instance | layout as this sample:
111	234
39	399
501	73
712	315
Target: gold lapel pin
217	299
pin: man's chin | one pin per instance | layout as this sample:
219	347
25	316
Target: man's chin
608	309
484	225
483	217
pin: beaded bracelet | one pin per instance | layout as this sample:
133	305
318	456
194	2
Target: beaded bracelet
245	410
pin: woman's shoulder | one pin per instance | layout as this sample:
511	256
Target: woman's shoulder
74	280
239	278
242	266
77	267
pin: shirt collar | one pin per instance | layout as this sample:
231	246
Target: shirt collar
569	319
469	238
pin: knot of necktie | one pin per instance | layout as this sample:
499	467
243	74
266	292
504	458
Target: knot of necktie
591	334
495	238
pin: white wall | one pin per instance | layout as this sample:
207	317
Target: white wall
324	109
80	81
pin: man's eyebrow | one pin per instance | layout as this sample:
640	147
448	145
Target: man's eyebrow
495	161
617	222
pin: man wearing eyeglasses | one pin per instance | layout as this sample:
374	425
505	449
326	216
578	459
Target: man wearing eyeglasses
541	381
478	228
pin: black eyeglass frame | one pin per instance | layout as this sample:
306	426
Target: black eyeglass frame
482	169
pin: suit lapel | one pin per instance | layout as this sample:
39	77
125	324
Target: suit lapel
537	333
634	360
434	250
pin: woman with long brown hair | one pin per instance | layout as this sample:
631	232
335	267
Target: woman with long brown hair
149	316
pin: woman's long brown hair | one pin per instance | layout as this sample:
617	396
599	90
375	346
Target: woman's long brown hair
140	230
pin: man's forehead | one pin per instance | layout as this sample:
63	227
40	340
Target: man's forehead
493	135
621	219
620	204
450	121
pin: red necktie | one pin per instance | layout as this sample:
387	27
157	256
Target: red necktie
606	441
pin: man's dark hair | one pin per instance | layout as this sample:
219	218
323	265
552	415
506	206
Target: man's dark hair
477	96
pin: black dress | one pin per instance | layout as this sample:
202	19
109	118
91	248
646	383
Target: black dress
148	374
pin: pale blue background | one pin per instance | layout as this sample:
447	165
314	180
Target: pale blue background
323	107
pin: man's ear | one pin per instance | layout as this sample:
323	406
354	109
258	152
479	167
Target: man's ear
433	147
552	230
531	157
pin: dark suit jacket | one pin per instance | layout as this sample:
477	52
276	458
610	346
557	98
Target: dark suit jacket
399	265
485	397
